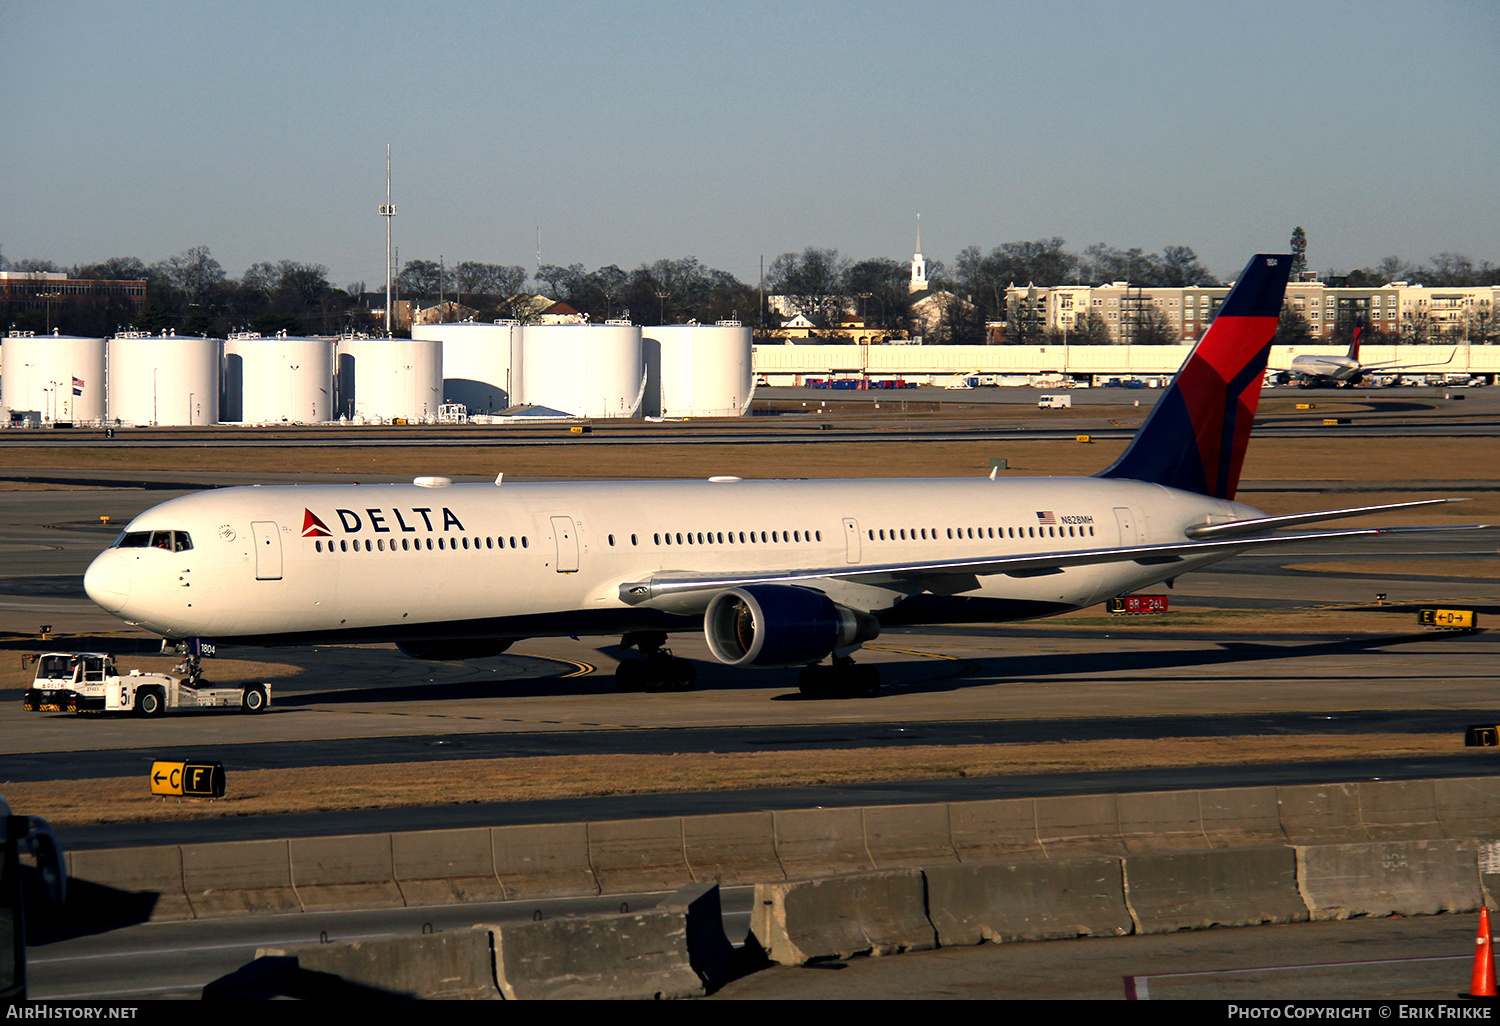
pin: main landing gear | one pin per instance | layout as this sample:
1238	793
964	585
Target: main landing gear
659	671
843	679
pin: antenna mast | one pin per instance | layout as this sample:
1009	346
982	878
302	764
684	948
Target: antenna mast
388	212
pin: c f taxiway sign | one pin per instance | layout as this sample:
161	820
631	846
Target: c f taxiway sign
188	779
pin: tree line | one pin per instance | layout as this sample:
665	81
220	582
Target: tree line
192	293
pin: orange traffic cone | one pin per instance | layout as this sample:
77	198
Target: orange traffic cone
1482	983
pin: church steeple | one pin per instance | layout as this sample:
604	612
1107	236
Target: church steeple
918	265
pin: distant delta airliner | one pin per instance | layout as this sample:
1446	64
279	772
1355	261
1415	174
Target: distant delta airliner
1314	369
776	573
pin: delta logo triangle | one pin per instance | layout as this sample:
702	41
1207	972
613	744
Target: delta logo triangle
312	527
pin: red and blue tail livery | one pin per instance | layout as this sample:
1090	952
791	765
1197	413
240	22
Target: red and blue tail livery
1195	438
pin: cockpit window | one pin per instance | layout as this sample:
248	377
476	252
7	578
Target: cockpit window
170	541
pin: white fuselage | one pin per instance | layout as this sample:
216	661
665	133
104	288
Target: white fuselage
1337	368
399	562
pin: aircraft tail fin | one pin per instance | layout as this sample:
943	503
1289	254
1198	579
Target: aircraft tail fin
1359	336
1195	438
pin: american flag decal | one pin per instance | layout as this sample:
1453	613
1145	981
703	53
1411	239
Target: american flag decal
1046	517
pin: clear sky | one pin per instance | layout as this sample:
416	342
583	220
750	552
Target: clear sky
727	130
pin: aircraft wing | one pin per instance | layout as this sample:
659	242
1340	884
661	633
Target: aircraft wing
1397	365
917	576
1264	525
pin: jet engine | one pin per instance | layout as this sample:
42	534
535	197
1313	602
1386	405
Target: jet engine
454	649
781	625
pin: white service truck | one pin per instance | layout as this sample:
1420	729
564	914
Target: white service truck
1054	402
80	682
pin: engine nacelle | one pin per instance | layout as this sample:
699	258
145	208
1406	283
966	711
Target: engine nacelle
781	625
454	649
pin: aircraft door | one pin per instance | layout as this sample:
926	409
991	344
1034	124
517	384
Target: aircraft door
267	550
851	540
565	534
1130	526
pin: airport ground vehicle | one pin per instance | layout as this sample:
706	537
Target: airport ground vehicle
1054	402
152	694
68	681
80	682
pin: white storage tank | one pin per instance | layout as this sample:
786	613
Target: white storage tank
53	378
584	370
276	380
698	370
383	379
169	380
481	363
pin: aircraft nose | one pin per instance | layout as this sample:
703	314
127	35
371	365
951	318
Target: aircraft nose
107	581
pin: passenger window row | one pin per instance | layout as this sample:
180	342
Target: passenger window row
931	534
730	537
443	544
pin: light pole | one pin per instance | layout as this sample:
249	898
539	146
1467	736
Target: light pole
388	211
49	297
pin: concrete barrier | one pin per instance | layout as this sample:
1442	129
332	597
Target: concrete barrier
1002	828
641	955
820	842
876	913
908	835
1160	819
570	859
638	855
1321	813
1027	900
1489	872
1076	825
239	878
1397	809
1468	806
445	867
545	861
1170	891
709	952
344	872
432	967
733	848
156	872
1235	817
1408	878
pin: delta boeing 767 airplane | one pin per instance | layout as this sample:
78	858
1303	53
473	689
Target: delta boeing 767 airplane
775	573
